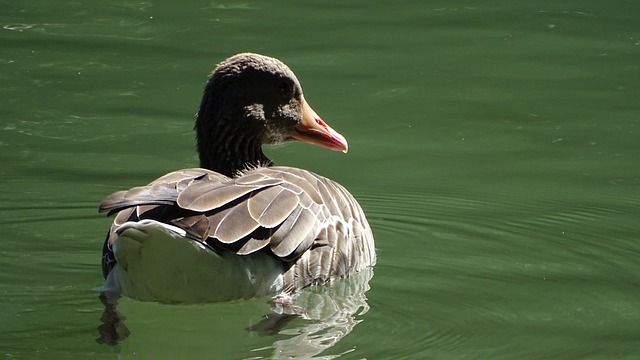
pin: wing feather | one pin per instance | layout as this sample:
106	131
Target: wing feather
162	191
296	233
270	207
205	195
252	245
232	224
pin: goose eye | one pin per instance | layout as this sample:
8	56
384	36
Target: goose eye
284	87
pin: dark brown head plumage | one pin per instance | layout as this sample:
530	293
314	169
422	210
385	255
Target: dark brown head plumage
249	100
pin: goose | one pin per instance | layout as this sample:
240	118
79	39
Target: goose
238	226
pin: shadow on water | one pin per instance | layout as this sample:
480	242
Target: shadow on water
314	321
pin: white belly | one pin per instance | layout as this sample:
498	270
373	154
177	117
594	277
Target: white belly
157	263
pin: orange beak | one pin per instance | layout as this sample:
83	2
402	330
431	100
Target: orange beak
313	130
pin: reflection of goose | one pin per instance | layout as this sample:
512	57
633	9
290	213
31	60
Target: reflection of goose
237	227
332	311
317	318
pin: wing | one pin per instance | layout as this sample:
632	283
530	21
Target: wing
307	220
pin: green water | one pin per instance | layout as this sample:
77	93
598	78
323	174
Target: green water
493	145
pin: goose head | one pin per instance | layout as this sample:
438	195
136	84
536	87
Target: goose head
251	100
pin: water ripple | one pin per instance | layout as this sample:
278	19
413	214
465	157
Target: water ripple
447	263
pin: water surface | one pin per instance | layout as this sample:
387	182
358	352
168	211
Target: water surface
493	145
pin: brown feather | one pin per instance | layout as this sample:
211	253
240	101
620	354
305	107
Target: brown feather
206	195
295	233
232	224
270	207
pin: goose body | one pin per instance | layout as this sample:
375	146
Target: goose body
238	227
